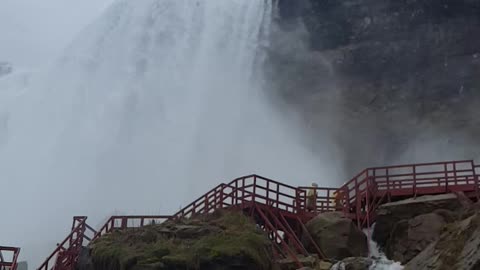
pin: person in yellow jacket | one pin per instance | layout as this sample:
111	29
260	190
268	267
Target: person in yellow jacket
337	199
312	197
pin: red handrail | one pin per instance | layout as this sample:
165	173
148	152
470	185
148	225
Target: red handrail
124	222
10	261
359	197
70	245
246	189
412	179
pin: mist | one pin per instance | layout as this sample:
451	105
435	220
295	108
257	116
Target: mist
33	32
149	107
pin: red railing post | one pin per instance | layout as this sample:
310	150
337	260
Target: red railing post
206	204
222	196
267	192
388	180
357	203
277	199
254	188
455	172
445	167
235	194
414	180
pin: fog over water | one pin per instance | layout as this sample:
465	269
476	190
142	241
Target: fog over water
150	106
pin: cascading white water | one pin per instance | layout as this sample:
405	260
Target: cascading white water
379	260
151	106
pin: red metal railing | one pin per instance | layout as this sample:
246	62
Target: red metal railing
65	256
406	181
8	257
206	203
66	253
323	197
274	202
273	227
124	222
244	191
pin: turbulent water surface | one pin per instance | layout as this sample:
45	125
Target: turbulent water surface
153	104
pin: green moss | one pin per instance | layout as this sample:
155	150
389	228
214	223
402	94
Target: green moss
232	235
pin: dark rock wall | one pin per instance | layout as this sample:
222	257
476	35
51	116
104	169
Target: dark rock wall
384	81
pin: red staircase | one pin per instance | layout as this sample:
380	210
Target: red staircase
66	254
281	210
9	257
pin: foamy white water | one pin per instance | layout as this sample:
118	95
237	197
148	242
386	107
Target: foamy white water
378	258
151	106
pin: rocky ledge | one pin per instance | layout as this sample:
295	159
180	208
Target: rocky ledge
224	240
430	232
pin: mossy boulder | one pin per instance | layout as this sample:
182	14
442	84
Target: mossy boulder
223	240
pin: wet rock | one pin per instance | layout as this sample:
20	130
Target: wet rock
337	236
457	248
388	215
308	262
323	265
410	237
354	263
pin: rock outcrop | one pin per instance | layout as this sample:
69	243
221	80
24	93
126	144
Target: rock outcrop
354	263
398	216
222	241
457	248
337	236
410	237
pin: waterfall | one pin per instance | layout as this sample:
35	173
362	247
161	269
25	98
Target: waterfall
377	258
150	106
380	261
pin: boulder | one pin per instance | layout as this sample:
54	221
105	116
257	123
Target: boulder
309	262
457	248
323	265
410	237
389	214
353	263
337	236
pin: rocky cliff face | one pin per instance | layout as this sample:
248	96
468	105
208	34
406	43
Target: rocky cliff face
457	248
393	75
431	232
